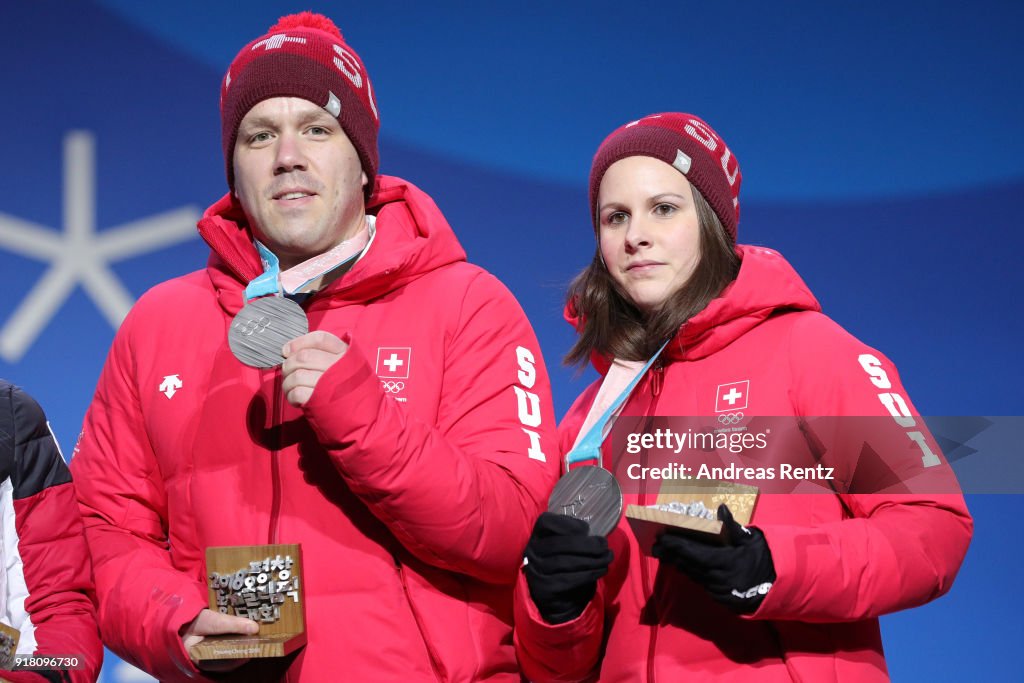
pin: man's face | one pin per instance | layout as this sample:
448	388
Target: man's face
298	179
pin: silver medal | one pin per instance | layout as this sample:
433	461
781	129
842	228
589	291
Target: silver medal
262	327
591	494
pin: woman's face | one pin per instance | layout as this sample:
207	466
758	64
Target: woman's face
648	229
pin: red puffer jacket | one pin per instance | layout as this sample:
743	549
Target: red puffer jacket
842	558
411	478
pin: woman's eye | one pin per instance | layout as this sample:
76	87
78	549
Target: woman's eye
616	218
664	209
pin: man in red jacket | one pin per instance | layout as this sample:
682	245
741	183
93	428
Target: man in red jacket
407	442
46	583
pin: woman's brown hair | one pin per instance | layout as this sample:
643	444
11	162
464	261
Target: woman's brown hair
610	324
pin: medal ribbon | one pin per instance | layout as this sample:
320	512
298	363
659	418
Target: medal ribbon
589	447
274	282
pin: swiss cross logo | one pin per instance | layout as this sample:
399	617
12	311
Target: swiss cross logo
732	396
393	362
277	41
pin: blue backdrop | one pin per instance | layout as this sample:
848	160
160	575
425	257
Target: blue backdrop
880	144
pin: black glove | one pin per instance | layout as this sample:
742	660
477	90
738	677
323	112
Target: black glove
563	564
737	574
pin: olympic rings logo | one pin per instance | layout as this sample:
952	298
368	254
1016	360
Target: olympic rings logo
392	387
252	326
730	418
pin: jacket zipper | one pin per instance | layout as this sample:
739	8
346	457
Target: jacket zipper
275	472
435	661
275	465
645	580
657	379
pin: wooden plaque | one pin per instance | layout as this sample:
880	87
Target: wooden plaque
648	523
8	646
263	583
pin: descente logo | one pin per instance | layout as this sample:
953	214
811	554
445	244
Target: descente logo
528	402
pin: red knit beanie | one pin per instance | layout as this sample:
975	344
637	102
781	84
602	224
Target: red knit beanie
686	143
302	55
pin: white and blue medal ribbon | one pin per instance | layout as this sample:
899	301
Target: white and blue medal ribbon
591	493
268	320
589	447
269	282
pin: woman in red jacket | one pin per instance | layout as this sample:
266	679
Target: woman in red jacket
857	517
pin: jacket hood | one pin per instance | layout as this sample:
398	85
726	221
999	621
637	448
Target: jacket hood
766	284
412	238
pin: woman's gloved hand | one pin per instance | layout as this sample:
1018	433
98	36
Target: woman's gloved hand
563	564
737	574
